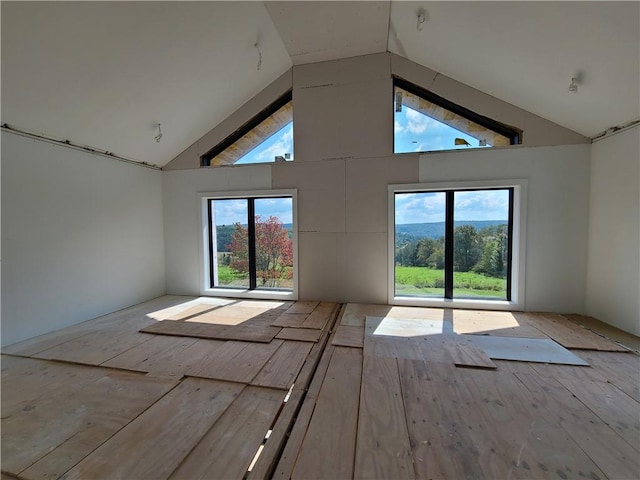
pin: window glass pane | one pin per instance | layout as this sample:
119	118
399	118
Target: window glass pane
274	243
419	243
230	243
270	140
422	126
480	244
279	145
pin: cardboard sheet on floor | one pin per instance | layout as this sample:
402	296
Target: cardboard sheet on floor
536	350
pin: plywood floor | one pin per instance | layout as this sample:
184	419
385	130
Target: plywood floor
320	391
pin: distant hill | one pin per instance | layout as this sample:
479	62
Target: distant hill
415	231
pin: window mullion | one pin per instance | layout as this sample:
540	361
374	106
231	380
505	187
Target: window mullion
212	251
448	246
251	227
509	244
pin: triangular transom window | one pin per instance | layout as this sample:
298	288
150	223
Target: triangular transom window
425	122
267	137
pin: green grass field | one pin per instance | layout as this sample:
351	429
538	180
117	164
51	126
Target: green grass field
230	277
426	281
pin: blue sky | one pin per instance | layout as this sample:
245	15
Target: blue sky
228	212
279	143
429	207
415	132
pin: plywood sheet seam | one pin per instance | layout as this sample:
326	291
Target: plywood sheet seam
287	417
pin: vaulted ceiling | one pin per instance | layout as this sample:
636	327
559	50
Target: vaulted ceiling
104	74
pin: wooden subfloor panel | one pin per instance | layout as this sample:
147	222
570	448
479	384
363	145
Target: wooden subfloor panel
235	315
286	461
235	361
95	348
329	445
277	459
465	355
347	336
620	369
166	355
271	304
383	449
403	327
355	314
527	441
501	324
293	320
227	449
630	341
320	315
550	370
615	457
301	334
187	308
154	444
261	334
44	342
193	311
440	421
54	431
282	368
613	406
305	307
568	334
24	380
389	346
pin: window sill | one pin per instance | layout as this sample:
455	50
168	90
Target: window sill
457	303
244	293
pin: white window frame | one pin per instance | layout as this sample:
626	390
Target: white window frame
205	289
518	254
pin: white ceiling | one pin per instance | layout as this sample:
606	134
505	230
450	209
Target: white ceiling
526	53
319	31
105	73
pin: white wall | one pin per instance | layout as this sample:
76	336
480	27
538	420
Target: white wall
343	124
182	210
613	279
557	214
82	235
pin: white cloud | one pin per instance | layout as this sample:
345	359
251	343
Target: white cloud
284	144
482	205
416	122
420	207
228	212
430	206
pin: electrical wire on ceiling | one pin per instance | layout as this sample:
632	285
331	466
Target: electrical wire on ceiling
259	55
159	136
75	146
422	17
613	130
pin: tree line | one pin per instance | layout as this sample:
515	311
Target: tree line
482	251
273	251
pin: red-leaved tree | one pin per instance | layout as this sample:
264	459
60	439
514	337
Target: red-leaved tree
274	251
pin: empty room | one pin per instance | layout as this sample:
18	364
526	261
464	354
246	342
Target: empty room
320	240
